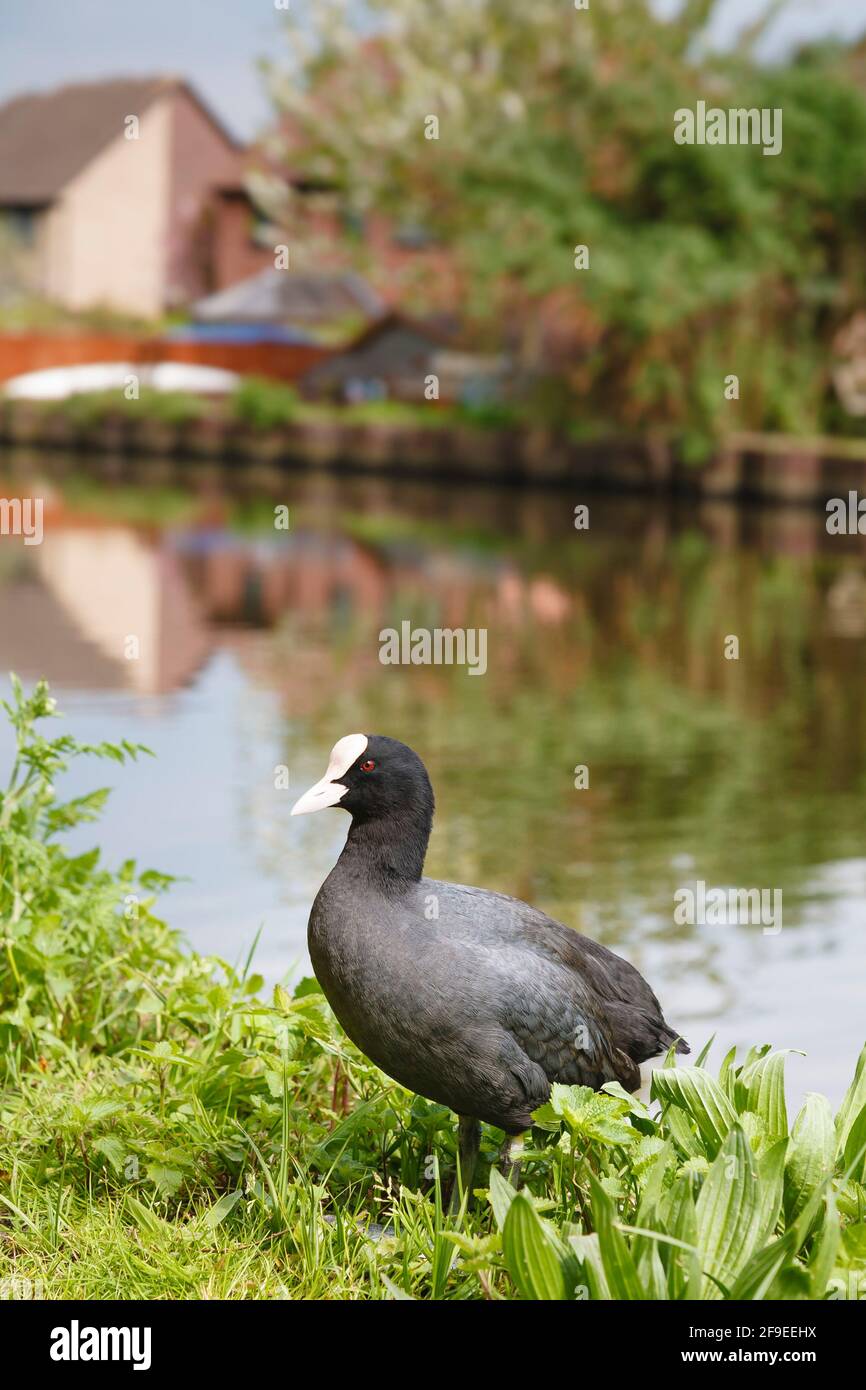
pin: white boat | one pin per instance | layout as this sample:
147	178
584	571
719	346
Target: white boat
58	383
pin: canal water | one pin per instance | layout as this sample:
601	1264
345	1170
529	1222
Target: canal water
732	764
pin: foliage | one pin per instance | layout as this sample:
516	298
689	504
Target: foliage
87	409
556	130
263	404
165	1133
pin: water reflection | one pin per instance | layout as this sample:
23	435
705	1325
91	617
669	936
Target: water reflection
605	648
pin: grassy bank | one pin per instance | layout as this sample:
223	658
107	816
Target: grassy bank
167	1133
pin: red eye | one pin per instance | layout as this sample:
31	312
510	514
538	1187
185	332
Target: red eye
368	765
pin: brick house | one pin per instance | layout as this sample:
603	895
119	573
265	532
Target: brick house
139	215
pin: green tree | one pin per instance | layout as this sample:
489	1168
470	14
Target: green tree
513	133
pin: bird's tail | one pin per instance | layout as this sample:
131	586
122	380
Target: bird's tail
669	1038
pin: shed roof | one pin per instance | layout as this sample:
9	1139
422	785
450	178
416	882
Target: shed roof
282	296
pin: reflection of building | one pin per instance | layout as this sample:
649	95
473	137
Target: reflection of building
102	608
129	194
107	606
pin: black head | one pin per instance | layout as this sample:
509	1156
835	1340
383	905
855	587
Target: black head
373	777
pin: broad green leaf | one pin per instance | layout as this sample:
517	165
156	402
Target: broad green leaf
501	1194
728	1214
854	1157
166	1180
701	1096
619	1266
760	1272
826	1249
651	1271
683	1266
684	1133
632	1105
763	1087
588	1255
854	1246
397	1294
220	1209
589	1115
853	1103
532	1256
771	1183
112	1149
148	1220
100	1109
810	1153
728	1074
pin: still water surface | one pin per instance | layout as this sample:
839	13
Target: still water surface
259	648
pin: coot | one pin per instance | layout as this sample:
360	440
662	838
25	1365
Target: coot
471	998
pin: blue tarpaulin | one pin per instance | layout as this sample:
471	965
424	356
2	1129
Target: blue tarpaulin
239	333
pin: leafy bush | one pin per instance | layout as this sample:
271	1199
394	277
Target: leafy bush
488	415
705	260
89	408
164	1133
265	405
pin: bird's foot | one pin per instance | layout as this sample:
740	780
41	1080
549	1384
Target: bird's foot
469	1143
510	1156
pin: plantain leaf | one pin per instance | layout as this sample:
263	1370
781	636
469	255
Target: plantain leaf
588	1255
619	1266
854	1157
763	1087
500	1194
760	1272
771	1184
810	1153
826	1249
728	1214
855	1099
683	1266
220	1209
532	1255
701	1096
728	1074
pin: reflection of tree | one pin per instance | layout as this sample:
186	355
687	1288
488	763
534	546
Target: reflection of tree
754	769
604	649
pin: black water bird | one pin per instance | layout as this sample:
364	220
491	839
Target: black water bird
470	998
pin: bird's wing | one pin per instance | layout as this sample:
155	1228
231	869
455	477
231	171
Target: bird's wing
558	1023
574	987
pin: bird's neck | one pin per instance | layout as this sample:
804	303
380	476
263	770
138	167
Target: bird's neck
389	850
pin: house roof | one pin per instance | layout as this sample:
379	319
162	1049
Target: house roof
394	345
432	332
281	296
46	138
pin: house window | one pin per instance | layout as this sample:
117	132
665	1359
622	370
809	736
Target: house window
21	224
262	231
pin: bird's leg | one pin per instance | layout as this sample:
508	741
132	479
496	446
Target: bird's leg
469	1143
509	1158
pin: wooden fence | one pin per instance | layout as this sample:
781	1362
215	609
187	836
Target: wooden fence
32	352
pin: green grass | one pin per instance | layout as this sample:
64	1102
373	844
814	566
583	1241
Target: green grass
167	1133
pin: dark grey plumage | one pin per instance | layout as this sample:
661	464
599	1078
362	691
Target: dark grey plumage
468	997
